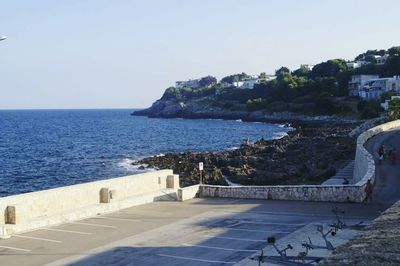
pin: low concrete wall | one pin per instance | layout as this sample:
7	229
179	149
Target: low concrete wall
188	193
68	203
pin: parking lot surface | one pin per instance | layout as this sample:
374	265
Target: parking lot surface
196	232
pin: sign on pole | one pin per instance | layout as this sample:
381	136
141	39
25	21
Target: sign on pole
201	166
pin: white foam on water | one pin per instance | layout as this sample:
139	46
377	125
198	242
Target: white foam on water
128	165
233	148
279	135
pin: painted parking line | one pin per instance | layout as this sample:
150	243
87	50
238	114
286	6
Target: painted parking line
117	219
195	259
234	201
269	223
66	231
312	215
234	238
96	225
14	248
253	230
38	238
221	248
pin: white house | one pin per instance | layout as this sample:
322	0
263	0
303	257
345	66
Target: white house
192	83
374	88
237	84
381	59
357	82
249	83
309	67
356	64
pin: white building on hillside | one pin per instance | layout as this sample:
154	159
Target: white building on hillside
381	59
249	83
237	84
357	82
374	88
356	64
309	67
192	83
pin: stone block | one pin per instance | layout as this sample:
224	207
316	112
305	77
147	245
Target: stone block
10	216
105	195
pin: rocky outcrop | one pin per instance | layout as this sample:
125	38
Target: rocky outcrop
309	155
206	108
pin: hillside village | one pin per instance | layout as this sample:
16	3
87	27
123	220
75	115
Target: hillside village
363	86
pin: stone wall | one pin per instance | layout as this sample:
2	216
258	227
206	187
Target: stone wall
48	207
336	193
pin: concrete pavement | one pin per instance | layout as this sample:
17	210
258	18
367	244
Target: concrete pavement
199	232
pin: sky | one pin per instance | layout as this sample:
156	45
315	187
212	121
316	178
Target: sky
124	54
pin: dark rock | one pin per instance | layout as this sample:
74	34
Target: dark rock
309	155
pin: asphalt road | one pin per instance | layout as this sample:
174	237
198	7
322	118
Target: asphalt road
387	186
196	232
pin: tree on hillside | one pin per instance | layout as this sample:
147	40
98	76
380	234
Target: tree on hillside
330	68
394	50
280	72
262	75
207	81
370	54
236	77
301	72
394	109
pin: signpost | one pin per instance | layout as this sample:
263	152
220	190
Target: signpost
201	167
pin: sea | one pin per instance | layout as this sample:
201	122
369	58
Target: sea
42	149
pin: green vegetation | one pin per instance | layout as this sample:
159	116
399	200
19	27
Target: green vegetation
394	109
321	91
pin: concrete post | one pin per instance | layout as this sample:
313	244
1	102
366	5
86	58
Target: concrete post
104	195
10	215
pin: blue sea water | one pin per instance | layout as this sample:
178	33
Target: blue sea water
41	149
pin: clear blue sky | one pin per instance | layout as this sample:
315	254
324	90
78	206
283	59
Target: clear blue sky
116	54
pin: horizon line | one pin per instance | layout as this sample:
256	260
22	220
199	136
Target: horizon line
60	109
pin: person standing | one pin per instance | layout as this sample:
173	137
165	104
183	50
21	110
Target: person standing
393	156
368	191
381	153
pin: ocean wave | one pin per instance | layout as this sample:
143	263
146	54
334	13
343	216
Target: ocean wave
128	165
279	135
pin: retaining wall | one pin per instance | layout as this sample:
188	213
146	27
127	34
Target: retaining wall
31	210
337	193
364	166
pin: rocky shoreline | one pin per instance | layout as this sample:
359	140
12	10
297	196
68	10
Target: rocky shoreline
172	108
310	154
